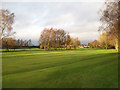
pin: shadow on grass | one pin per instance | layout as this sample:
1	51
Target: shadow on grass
72	61
38	49
21	50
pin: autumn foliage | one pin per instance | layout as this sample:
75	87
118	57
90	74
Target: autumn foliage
110	18
56	39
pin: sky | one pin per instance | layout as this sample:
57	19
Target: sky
80	19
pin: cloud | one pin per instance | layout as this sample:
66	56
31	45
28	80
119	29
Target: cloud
78	18
54	0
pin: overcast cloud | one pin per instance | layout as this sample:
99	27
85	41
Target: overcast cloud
80	19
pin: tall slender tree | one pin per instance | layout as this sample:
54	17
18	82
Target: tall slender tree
6	21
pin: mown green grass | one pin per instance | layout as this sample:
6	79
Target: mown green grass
81	68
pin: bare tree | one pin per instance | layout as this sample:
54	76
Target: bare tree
6	21
94	44
9	43
103	40
74	42
53	38
110	21
29	42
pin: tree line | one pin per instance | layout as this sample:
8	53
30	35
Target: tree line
10	43
57	39
6	40
50	38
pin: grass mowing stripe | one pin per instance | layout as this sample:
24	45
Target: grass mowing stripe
56	65
80	68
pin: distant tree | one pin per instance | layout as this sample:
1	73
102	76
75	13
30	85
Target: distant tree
44	38
103	40
21	43
94	44
77	43
0	43
29	43
24	43
53	38
9	43
18	41
74	42
68	40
